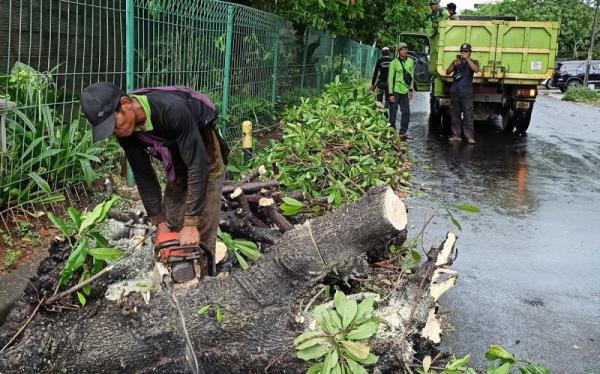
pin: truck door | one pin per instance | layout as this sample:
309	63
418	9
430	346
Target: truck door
418	50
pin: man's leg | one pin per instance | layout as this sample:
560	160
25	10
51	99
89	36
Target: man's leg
394	111
455	110
405	108
467	107
209	220
380	95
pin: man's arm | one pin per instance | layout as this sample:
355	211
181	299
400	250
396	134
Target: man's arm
473	64
451	67
145	178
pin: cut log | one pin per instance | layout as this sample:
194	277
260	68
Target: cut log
241	228
240	198
257	326
255	174
251	187
272	212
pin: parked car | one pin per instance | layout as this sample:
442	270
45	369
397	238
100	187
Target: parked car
570	73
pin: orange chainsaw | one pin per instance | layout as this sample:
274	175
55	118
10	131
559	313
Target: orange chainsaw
184	263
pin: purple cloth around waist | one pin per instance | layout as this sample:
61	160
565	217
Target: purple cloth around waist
156	148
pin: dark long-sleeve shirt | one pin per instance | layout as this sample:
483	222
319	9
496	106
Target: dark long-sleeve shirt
381	70
196	153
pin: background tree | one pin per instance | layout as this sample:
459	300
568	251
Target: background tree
575	19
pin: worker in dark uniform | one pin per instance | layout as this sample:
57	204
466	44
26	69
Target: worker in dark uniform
190	148
452	11
380	76
461	94
437	14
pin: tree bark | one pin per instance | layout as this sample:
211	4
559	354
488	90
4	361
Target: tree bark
257	326
251	187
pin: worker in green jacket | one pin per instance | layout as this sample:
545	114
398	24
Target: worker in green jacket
437	14
400	86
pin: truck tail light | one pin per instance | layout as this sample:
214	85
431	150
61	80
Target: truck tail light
526	92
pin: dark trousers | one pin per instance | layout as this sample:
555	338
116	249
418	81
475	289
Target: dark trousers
383	92
462	105
402	102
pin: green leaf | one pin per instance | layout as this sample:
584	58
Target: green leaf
75	217
337	369
370	360
533	368
203	309
85	276
458	362
75	260
100	240
364	310
364	331
355	367
345	308
106	254
324	320
503	369
314	352
97	215
218	314
97	265
331	360
241	261
41	182
315	369
308	339
455	222
292	202
336	321
467	208
496	352
81	298
59	224
358	350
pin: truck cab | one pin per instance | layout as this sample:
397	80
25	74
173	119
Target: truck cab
514	57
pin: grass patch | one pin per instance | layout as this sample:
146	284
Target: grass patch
582	95
10	257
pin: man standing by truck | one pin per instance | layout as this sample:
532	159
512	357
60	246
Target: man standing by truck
380	76
400	88
437	14
461	94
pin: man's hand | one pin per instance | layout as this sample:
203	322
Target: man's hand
457	62
372	87
392	99
189	235
410	95
161	228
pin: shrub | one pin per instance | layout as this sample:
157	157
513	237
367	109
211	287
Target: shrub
581	94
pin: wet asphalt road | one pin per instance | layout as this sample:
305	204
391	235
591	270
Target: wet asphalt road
529	263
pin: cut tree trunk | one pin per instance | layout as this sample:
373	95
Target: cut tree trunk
258	323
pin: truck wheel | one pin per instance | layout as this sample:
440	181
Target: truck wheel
573	83
523	118
435	115
446	127
508	121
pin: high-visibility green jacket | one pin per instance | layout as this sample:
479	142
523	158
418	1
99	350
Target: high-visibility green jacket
396	83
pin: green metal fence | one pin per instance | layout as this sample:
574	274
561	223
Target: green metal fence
251	64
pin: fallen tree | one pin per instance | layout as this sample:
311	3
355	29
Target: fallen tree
258	318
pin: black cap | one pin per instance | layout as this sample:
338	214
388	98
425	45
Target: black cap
465	47
99	103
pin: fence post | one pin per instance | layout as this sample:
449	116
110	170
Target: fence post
304	56
227	67
129	65
360	58
331	78
275	62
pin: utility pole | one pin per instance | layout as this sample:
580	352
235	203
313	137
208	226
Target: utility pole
591	50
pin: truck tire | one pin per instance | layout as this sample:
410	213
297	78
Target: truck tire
522	120
573	83
508	120
435	115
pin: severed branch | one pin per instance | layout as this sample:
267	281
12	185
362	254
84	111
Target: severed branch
240	198
251	187
254	175
79	286
272	212
239	227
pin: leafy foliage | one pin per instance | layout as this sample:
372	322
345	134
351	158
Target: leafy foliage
582	94
208	307
575	19
337	145
52	150
341	343
503	363
88	243
244	250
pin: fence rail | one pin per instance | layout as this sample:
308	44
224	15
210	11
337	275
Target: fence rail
251	64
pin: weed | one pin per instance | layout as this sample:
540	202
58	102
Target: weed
341	343
582	94
11	257
243	250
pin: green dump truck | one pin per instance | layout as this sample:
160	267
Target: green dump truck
514	57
